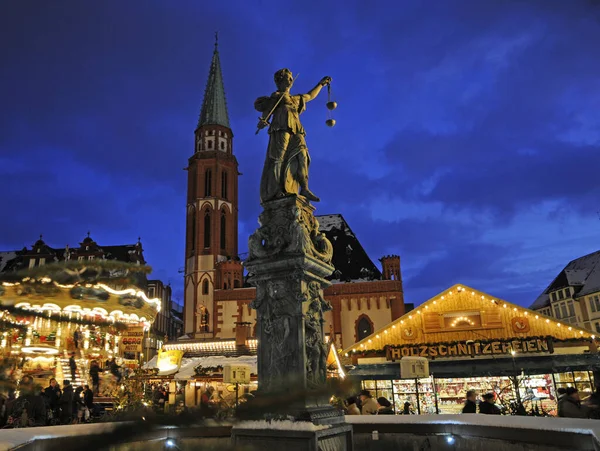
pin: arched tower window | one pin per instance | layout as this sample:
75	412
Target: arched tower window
364	327
223	239
208	183
207	228
205	287
224	185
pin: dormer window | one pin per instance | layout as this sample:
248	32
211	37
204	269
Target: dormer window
32	262
91	257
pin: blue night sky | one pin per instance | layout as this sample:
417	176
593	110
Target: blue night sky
467	136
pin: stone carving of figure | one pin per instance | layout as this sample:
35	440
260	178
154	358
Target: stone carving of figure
316	350
286	164
276	320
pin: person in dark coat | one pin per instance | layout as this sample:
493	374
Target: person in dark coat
77	337
66	403
488	406
52	393
115	369
88	397
95	375
73	366
385	407
407	409
78	403
471	402
570	406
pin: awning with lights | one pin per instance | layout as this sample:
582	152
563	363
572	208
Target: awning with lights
462	322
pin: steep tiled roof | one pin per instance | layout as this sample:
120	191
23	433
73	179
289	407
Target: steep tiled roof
214	106
16	260
583	274
6	257
350	260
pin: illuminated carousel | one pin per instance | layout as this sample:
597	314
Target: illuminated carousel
95	310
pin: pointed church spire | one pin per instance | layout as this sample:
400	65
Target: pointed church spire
214	106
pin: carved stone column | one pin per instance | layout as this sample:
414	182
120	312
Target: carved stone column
288	261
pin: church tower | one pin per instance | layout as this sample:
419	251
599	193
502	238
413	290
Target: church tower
212	207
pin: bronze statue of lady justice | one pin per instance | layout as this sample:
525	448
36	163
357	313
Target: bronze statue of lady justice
286	164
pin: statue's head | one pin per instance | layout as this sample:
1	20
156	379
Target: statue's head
283	79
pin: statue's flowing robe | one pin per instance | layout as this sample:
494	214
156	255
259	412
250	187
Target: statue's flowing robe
287	149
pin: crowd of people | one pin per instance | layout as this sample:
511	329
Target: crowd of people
49	406
569	404
364	404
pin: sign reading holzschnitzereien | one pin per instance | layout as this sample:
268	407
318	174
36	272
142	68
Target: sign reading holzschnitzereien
471	348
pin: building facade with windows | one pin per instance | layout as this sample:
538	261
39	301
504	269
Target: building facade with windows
574	294
216	296
41	254
168	324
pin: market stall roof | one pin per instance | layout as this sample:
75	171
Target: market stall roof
463	313
202	348
187	370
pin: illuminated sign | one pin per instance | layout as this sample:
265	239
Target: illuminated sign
132	340
471	348
169	361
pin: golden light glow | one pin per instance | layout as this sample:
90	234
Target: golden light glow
462	319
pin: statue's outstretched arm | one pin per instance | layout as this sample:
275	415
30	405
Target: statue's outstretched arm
314	92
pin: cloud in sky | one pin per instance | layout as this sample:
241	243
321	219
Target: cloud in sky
467	132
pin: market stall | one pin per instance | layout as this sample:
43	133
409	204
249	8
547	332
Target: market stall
473	341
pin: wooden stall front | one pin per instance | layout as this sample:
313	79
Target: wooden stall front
472	340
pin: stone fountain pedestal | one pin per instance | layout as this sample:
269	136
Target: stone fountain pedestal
288	262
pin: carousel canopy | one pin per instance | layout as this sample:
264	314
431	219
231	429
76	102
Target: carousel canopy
90	289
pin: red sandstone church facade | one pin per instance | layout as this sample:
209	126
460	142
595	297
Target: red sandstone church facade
216	299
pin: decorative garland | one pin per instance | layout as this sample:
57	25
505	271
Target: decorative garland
207	371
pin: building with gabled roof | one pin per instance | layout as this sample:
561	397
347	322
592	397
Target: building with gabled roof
88	249
574	294
216	296
466	339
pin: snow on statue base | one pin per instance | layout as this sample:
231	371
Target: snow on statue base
288	262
